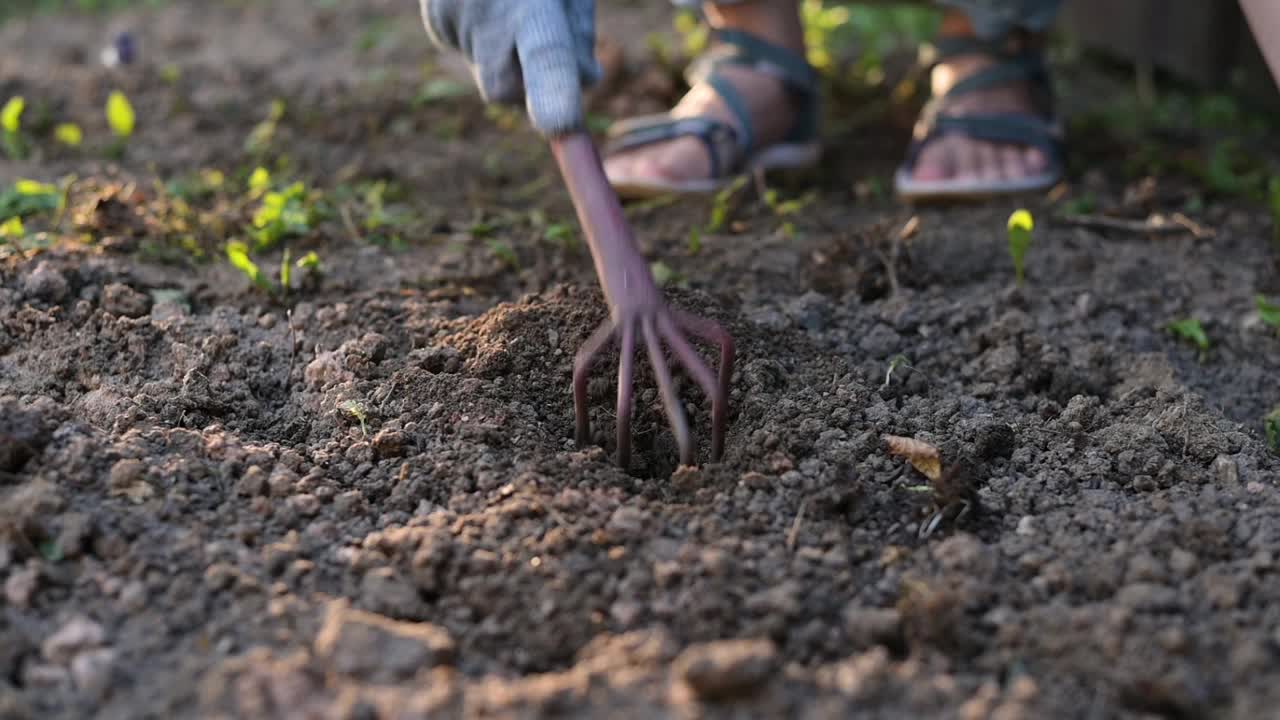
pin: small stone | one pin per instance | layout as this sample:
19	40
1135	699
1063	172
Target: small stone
1226	470
91	671
327	369
1026	525
20	586
74	535
44	675
727	669
126	473
868	627
384	592
377	649
1182	562
1148	597
79	633
120	299
389	443
133	596
306	504
46	283
280	483
348	503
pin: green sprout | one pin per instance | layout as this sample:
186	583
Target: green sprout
283	214
1271	423
1270	313
1020	226
695	240
69	134
310	261
723	204
264	132
1193	332
11	126
286	270
12	229
121	118
895	362
439	89
503	252
357	410
238	254
28	197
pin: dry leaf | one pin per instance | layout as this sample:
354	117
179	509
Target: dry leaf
923	456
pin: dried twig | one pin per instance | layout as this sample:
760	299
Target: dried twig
345	212
1154	225
793	535
293	344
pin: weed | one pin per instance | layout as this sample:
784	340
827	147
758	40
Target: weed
1271	423
310	261
1020	226
1269	313
69	134
1193	332
286	270
357	410
896	362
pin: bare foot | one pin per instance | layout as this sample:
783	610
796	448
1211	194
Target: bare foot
958	157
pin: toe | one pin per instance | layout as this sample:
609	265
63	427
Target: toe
989	168
1012	165
934	162
1035	161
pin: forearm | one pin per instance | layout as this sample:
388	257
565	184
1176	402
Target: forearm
620	267
1264	20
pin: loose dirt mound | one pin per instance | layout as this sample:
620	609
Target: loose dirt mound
366	502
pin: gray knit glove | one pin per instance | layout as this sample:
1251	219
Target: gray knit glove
539	52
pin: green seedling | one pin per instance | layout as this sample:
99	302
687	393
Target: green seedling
286	270
28	197
287	213
238	254
12	229
263	133
1020	226
722	205
11	127
121	119
357	410
895	362
438	89
1269	313
310	261
1193	332
503	252
1271	424
69	134
695	240
561	234
663	275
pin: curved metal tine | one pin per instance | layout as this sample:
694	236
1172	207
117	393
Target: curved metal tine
582	373
626	373
671	401
702	374
711	331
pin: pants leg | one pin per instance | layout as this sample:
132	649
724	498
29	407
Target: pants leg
992	19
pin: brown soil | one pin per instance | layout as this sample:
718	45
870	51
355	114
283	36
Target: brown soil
191	525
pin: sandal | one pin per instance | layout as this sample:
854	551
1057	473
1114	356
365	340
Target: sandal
1032	129
732	150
